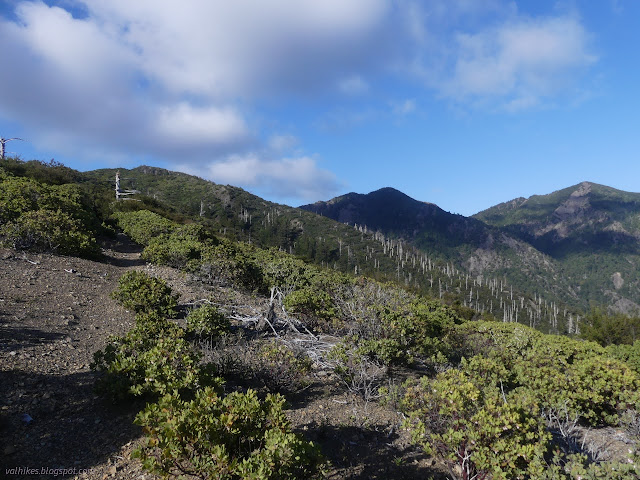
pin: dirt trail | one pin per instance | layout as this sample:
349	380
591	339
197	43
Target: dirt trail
55	312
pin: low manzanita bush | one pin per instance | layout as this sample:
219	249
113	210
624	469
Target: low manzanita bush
143	293
230	437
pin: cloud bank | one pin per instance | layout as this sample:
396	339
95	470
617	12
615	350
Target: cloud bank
184	81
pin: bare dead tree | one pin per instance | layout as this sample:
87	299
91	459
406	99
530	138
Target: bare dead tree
3	142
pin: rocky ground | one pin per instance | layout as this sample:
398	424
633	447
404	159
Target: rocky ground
55	312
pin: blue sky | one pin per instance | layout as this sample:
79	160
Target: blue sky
461	103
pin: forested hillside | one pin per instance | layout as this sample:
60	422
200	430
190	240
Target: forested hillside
577	247
591	231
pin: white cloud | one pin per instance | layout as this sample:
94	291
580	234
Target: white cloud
184	123
282	143
404	108
298	177
516	63
185	81
244	48
174	79
353	85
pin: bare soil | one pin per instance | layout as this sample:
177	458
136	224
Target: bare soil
55	312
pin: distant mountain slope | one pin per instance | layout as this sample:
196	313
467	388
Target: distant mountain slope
593	231
587	215
579	245
393	212
479	248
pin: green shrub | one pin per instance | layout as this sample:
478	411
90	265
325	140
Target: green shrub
491	408
475	429
54	231
17	196
207	321
182	248
578	466
142	225
226	438
314	305
227	263
401	330
284	271
281	368
142	293
141	364
630	354
52	172
615	329
166	250
601	387
46	217
153	324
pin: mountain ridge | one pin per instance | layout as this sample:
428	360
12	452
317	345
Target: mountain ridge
574	235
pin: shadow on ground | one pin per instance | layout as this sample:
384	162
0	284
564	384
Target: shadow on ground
57	421
363	453
16	338
121	251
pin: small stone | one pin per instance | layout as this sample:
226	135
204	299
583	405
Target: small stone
12	353
9	450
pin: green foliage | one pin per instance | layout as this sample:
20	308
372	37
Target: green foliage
398	328
142	225
46	217
498	408
227	438
577	466
613	329
52	172
281	368
314	306
207	321
630	354
182	248
231	263
284	271
475	429
153	359
49	230
142	293
601	387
